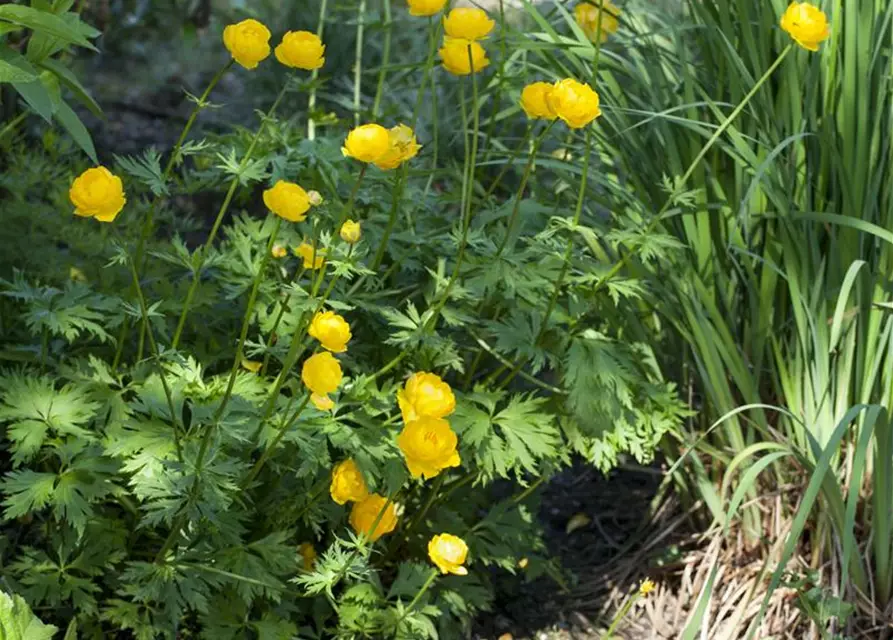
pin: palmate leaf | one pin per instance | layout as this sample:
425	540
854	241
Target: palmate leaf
146	168
517	438
34	408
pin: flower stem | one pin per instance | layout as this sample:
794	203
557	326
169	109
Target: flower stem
399	180
224	207
385	58
268	450
311	100
621	615
418	596
358	62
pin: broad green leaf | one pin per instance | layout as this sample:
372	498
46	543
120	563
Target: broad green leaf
43	22
70	121
14	67
70	80
17	622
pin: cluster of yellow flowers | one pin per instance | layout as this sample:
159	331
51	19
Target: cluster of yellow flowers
461	52
576	103
321	372
249	44
385	148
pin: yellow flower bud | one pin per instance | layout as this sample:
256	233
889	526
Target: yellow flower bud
312	259
586	14
287	200
97	193
251	365
366	512
454	54
308	554
323	403
425	395
315	197
278	251
574	102
301	50
402	146
248	42
366	143
469	23
76	275
425	7
351	232
348	484
448	553
534	101
429	446
806	24
331	330
321	373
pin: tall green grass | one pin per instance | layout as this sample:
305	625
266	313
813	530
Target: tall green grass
780	294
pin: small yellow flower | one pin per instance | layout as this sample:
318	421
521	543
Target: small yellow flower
308	554
586	14
278	251
348	484
323	403
251	365
331	330
287	200
366	143
469	23
248	42
574	102
454	54
366	512
534	100
402	145
523	562
425	395
351	232
97	193
429	446
301	50
425	7
448	553
806	24
646	587
315	197
321	373
312	260
76	275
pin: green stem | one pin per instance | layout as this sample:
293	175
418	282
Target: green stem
268	451
385	58
418	596
311	100
299	273
224	207
513	218
500	75
426	72
399	180
246	321
358	62
13	124
621	615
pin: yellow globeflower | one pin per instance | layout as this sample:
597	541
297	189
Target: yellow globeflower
425	395
469	23
301	50
425	7
366	512
454	54
97	193
646	587
351	232
574	102
251	365
348	484
278	251
315	197
248	42
321	373
287	200
448	552
429	446
806	24
402	145
312	260
534	101
308	555
331	330
586	13
366	143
